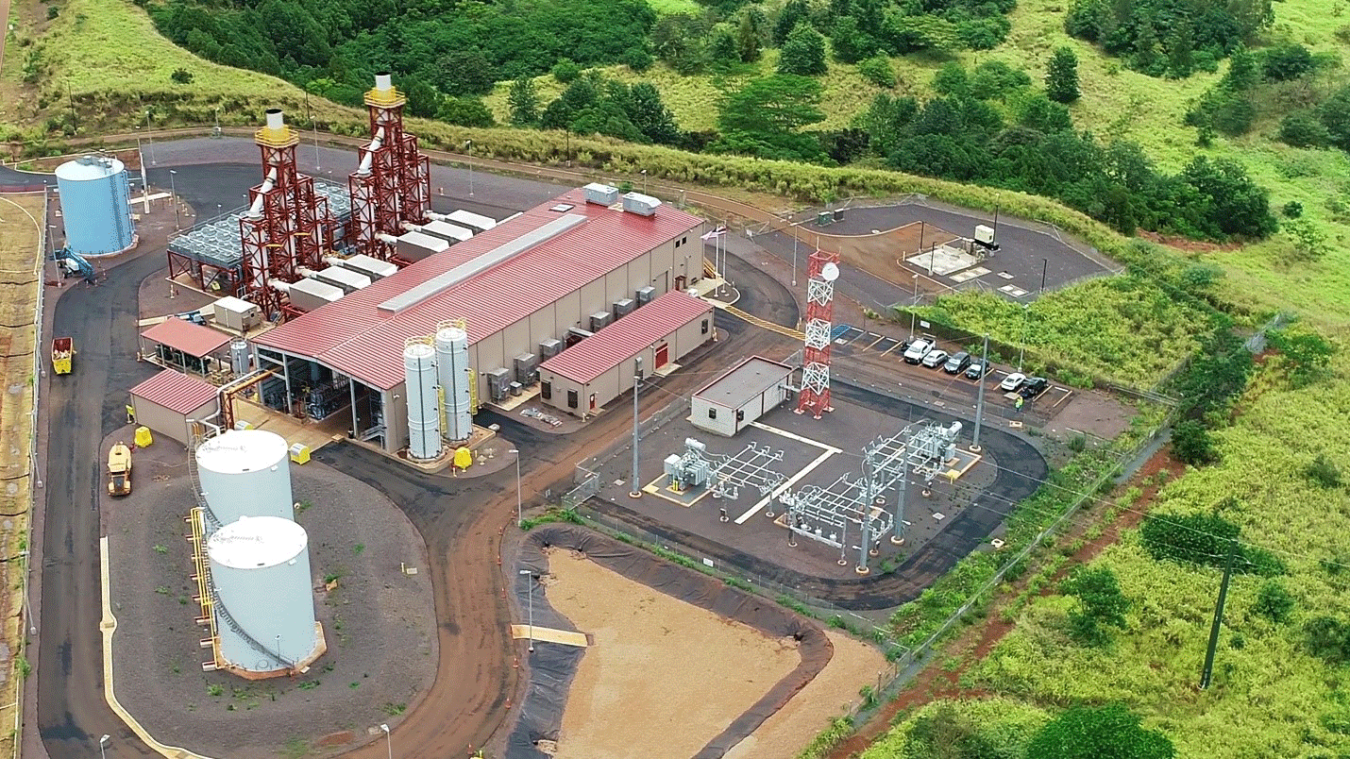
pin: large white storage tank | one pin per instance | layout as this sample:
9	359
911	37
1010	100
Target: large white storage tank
246	473
424	413
263	594
95	205
452	367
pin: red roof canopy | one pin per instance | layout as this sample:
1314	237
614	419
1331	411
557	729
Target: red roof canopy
192	339
355	337
176	391
627	337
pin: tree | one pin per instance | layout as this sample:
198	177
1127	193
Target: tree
465	71
723	51
1286	62
651	116
1242	74
803	52
748	41
1100	604
1107	732
1302	129
793	13
1274	602
944	732
679	40
468	112
764	117
1304	353
878	71
524	102
1235	204
848	42
1335	115
1061	77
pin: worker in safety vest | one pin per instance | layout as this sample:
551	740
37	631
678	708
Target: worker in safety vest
1018	403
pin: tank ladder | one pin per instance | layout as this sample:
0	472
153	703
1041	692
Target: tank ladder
197	436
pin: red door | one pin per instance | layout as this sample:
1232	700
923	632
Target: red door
679	283
592	401
662	355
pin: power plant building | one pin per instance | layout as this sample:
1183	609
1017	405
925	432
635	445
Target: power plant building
522	291
95	205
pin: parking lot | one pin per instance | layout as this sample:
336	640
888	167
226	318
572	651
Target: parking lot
853	341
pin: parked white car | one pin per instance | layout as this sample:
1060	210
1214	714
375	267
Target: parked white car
1012	381
934	359
917	350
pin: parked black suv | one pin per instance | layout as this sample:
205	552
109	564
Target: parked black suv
1034	387
977	370
957	363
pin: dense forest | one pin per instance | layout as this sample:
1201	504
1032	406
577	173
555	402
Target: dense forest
990	125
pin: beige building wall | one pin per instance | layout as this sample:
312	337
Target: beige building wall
167	422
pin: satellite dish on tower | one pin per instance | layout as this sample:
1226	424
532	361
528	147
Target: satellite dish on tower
829	272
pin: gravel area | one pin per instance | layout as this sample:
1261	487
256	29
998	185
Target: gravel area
378	622
642	690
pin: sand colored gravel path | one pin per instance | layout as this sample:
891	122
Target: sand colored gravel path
663	677
787	732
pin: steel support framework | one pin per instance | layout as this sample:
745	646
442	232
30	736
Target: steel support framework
290	231
749	468
209	278
815	393
393	182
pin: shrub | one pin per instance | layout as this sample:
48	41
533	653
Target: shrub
52	12
878	71
1192	443
639	59
1323	472
1286	62
1328	639
1100	603
565	71
1274	602
1292	210
181	76
1302	129
1106	732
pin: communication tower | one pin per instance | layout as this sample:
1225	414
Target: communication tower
823	270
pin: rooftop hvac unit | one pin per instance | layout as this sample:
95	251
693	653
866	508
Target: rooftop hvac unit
527	369
516	388
645	295
550	348
309	294
237	314
499	385
838	214
601	320
451	233
601	194
642	205
623	307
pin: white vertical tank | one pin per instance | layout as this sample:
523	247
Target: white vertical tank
246	473
452	367
424	418
239	356
260	576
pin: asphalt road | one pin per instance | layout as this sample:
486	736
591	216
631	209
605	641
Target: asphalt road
82	408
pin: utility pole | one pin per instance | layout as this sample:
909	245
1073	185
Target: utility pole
1045	264
979	400
870	490
1208	672
1022	351
636	490
793	227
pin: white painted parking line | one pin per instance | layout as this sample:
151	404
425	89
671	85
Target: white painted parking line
798	438
878	339
893	347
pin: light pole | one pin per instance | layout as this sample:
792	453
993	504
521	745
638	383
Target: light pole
913	304
636	490
1022	351
644	181
793	227
531	606
468	144
173	190
389	740
150	137
315	125
217	122
519	521
103	741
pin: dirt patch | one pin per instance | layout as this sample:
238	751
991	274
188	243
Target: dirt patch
653	659
834	690
936	681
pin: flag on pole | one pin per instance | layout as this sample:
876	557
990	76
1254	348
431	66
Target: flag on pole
721	230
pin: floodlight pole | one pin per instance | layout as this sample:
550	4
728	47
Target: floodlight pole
468	144
520	522
389	740
793	228
1207	674
103	741
173	189
636	490
1022	351
979	399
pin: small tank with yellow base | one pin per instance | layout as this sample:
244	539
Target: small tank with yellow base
119	470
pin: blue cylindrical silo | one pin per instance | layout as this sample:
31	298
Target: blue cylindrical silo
95	205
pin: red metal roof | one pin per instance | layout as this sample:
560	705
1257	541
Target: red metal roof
354	337
626	337
176	391
192	339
